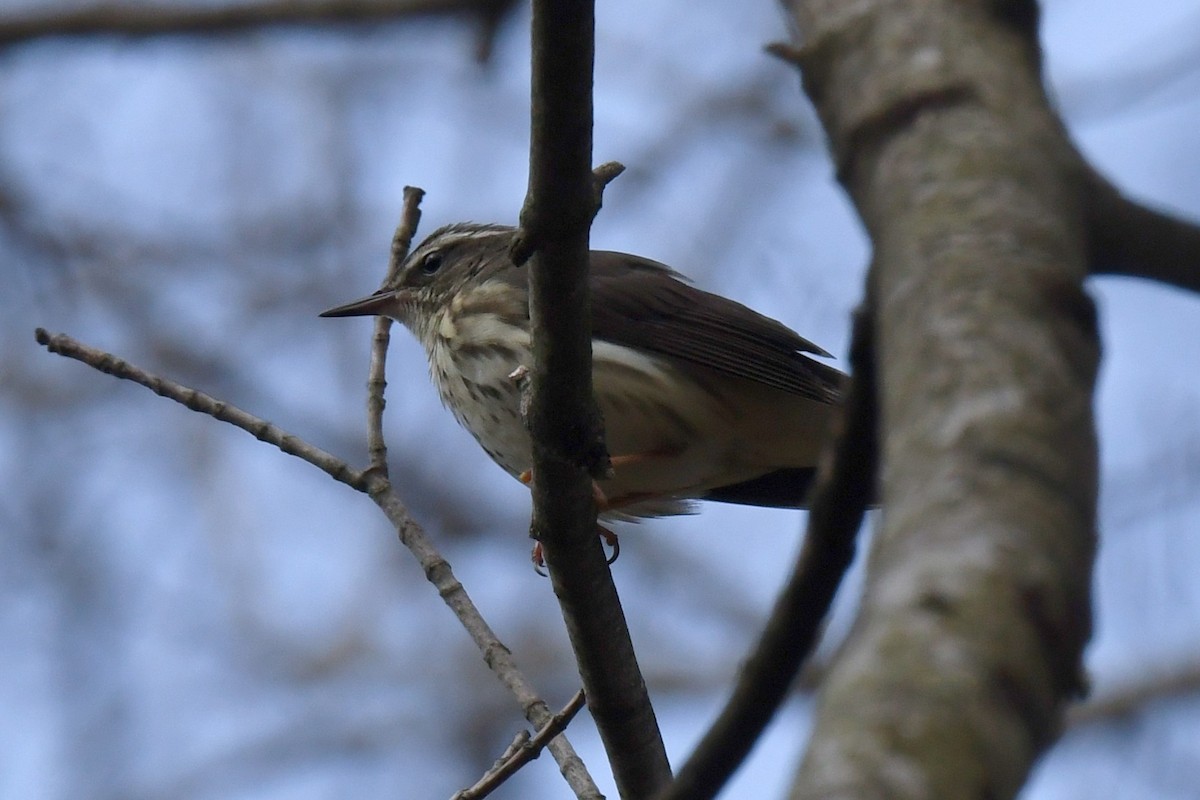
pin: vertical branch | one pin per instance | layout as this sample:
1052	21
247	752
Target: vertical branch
377	376
565	426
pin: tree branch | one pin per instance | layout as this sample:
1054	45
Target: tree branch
845	487
1133	696
1127	238
410	217
523	750
969	640
567	436
63	345
173	18
373	482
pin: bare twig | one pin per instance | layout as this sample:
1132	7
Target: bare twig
1135	696
376	485
260	429
523	750
381	337
564	423
410	217
376	375
602	176
845	487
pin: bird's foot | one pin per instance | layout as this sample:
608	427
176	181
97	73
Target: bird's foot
538	556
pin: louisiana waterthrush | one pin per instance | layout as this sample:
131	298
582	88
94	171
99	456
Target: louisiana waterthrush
702	398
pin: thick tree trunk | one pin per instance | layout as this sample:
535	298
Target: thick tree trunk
977	606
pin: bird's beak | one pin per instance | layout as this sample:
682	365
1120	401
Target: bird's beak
377	303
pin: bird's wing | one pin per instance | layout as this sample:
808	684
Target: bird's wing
640	303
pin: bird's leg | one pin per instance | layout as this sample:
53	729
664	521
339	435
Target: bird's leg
538	556
598	496
601	499
603	503
638	458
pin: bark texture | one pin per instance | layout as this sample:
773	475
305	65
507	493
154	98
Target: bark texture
563	420
977	607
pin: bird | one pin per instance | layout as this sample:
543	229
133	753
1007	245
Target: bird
702	398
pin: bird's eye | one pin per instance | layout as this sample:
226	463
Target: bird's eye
431	262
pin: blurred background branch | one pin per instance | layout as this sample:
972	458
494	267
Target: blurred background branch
116	18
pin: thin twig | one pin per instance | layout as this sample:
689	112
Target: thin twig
381	337
410	217
260	429
523	750
497	656
1134	696
602	176
845	487
376	485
